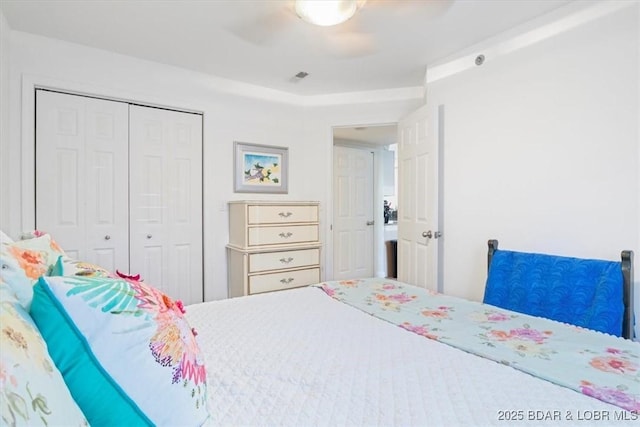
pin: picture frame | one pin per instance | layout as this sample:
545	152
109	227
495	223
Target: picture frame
260	168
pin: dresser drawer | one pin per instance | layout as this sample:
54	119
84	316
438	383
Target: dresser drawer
285	280
284	235
284	214
285	259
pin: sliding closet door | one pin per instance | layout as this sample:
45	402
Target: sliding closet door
166	200
81	176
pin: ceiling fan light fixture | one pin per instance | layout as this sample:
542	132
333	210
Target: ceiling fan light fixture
326	12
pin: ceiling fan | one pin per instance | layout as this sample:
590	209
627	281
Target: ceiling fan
346	28
327	13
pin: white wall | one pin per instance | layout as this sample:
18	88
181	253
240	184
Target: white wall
5	34
541	150
307	131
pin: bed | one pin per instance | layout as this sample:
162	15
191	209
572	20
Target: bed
357	352
303	358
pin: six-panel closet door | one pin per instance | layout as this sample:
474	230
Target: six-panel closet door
82	176
120	186
166	199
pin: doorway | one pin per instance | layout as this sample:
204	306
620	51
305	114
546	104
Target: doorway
363	177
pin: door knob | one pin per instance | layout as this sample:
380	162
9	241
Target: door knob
370	222
149	236
427	234
107	237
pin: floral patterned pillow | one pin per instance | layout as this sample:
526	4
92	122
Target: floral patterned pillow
32	391
66	266
126	351
24	261
4	238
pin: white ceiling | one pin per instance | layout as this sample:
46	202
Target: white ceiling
387	45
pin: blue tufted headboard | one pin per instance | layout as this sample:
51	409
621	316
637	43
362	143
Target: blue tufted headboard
591	293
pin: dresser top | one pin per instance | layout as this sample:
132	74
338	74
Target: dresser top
273	202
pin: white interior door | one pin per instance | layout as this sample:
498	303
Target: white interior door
82	176
353	213
418	199
166	200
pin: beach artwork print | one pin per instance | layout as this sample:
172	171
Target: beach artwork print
260	168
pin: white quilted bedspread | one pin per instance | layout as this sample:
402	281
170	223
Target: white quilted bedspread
298	358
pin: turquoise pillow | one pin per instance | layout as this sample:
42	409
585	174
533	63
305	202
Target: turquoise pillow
125	350
57	269
106	404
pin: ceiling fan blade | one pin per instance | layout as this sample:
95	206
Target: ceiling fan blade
350	44
264	28
426	8
357	36
349	40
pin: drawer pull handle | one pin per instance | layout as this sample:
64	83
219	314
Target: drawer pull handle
285	214
286	281
285	235
286	260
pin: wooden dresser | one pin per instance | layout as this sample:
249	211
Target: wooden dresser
272	246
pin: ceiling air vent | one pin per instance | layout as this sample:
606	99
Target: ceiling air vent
298	77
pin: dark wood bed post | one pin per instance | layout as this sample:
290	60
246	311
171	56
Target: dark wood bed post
493	246
627	280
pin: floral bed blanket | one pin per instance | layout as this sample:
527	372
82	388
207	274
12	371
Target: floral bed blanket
598	365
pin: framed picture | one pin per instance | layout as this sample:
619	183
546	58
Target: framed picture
260	168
